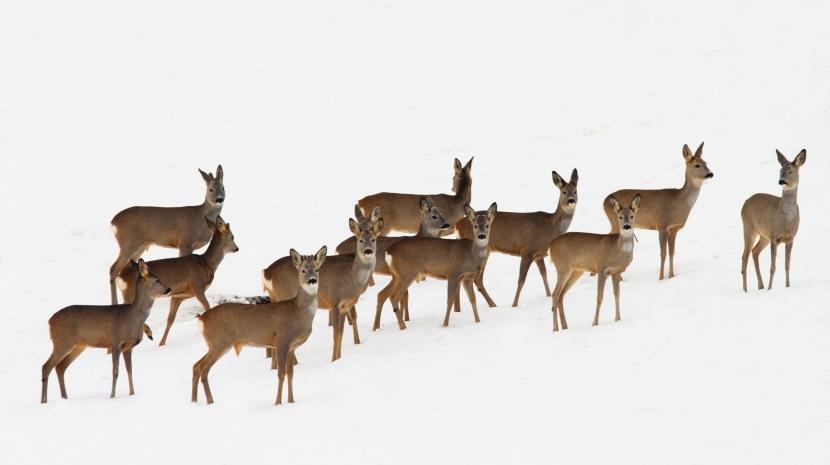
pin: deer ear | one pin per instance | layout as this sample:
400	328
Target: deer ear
557	180
358	213
491	212
574	177
320	256
615	204
205	176
220	173
635	203
377	227
458	167
800	158
699	151
354	227
687	152
296	258
221	225
469	166
423	205
143	269
375	214
470	213
211	224
781	158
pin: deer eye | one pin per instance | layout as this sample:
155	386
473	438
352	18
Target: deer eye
361	241
373	241
697	166
303	271
434	217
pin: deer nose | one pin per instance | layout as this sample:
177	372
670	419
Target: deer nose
368	252
220	199
168	291
482	237
571	201
710	175
781	182
626	226
312	281
445	225
236	249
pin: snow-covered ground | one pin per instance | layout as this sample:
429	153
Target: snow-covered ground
311	105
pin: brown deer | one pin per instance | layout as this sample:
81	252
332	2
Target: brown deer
773	220
605	255
343	279
282	326
188	276
458	261
401	212
432	224
528	235
183	228
117	328
666	210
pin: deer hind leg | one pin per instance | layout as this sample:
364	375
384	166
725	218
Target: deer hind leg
672	237
383	296
601	277
773	250
540	263
60	369
171	317
58	354
788	250
353	321
452	296
568	284
756	252
523	267
468	287
205	364
405	302
749	240
615	281
401	287
561	279
479	282
124	256
663	237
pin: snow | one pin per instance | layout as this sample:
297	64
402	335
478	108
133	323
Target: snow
310	106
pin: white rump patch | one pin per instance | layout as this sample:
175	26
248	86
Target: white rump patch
267	286
122	285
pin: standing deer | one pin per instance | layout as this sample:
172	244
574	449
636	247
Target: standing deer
459	261
343	279
605	255
401	212
528	235
666	210
188	276
283	326
183	228
117	328
773	219
432	224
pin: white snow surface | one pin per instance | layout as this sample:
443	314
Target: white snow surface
310	106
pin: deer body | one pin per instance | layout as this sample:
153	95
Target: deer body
188	276
528	235
282	326
401	212
343	279
458	261
117	328
605	255
665	210
772	220
182	228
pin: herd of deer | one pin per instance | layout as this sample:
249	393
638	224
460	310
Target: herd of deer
298	285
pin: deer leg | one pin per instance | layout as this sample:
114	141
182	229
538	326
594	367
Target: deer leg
197	373
405	302
185	248
615	281
663	236
128	364
123	258
58	354
452	293
601	277
749	239
572	279
788	250
60	369
672	238
383	295
282	356
479	282
171	317
756	252
523	267
561	279
401	286
353	322
773	251
116	356
207	363
337	330
540	263
289	371
468	287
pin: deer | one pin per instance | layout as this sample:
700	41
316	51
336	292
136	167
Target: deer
432	224
604	255
773	220
182	228
189	275
343	279
666	210
282	326
401	212
117	328
528	235
458	261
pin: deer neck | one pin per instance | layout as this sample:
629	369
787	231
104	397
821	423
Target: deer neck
362	267
465	190
789	204
626	243
423	231
215	252
210	210
562	217
480	252
143	301
307	302
690	190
